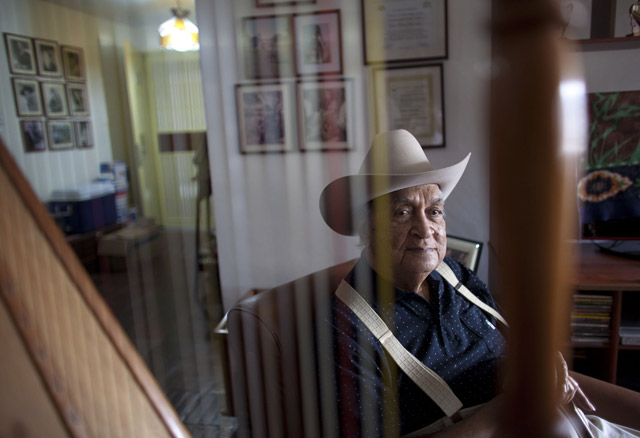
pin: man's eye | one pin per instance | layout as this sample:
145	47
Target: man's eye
402	212
437	212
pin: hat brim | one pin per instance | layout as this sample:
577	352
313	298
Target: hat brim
346	195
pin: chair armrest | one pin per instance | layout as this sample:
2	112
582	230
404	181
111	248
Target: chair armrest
613	403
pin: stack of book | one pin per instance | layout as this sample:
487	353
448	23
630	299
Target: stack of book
591	319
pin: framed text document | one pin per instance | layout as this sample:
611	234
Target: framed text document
410	98
404	30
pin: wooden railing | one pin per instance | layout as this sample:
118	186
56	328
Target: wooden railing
68	368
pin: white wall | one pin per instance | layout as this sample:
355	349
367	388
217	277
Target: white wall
266	206
50	170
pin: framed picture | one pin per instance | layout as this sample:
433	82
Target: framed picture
325	115
55	99
264	118
267	46
318	42
576	19
33	135
408	30
48	58
20	53
274	3
73	61
608	189
465	251
77	97
411	98
60	133
84	136
27	95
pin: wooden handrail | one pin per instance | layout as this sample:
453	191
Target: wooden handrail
38	230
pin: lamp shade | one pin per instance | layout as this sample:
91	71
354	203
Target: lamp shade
179	33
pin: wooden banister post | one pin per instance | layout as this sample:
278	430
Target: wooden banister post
530	211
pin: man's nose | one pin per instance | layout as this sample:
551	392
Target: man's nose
422	226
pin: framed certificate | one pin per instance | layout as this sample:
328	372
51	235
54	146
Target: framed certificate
404	30
411	98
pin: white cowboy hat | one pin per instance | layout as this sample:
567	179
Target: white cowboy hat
395	161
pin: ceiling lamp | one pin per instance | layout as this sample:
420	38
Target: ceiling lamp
179	33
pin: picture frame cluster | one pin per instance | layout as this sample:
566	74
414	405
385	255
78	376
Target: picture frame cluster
295	91
50	92
293	61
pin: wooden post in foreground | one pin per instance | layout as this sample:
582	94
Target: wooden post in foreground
531	212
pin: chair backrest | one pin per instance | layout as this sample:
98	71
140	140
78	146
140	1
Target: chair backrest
277	342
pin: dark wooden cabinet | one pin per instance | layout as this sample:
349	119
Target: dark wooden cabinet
85	245
619	277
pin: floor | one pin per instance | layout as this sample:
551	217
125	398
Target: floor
169	310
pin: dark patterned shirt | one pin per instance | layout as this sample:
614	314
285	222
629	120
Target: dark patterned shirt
450	335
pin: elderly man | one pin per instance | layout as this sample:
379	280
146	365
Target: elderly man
417	336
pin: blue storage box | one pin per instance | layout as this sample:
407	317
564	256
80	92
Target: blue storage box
83	209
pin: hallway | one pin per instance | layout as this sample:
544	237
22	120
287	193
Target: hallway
151	291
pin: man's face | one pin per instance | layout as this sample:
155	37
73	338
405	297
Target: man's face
417	231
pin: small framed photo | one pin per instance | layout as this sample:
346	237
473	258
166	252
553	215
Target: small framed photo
408	30
318	43
48	58
55	99
33	135
22	60
465	251
576	19
27	95
60	134
325	115
77	97
73	62
267	46
84	136
274	3
411	98
264	117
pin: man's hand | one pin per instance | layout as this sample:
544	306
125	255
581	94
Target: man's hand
568	388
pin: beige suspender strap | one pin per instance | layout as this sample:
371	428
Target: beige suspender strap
446	272
424	377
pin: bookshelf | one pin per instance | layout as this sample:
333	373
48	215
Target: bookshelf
600	275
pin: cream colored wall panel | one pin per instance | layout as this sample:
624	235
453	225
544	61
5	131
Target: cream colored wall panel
180	190
178	92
